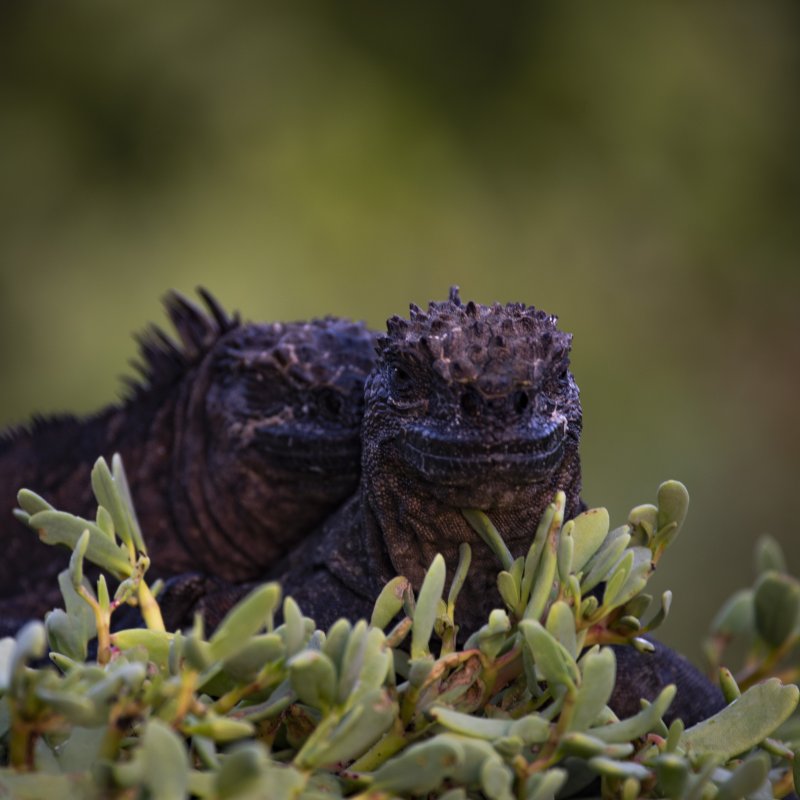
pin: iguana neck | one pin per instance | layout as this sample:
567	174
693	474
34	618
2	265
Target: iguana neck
384	533
402	532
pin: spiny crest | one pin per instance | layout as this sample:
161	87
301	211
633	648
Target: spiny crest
494	346
63	424
323	352
164	359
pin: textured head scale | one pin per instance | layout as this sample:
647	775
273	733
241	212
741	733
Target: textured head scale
492	347
322	352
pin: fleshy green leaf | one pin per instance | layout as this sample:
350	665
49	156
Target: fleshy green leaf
358	729
427	607
769	555
589	532
165	762
462	568
313	677
776	604
509	589
245	619
561	625
32	503
598	674
737	615
108	497
612	768
747	778
155	642
389	602
605	559
536	549
545	785
546	571
259	650
420	768
484	527
531	729
744	723
673	504
244	770
640	724
220	729
57	527
550	657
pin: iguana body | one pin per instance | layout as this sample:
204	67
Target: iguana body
467	406
239	440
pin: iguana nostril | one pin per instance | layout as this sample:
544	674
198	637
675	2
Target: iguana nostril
331	402
470	403
520	401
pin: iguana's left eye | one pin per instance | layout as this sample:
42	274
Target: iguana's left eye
401	381
331	402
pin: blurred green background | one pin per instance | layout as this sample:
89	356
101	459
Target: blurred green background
632	167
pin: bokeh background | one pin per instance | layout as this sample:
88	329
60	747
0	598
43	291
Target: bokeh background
631	167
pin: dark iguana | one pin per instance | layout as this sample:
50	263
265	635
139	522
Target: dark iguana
238	440
468	406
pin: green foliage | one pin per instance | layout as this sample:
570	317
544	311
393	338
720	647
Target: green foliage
765	619
261	709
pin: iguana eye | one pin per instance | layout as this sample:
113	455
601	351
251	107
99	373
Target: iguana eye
401	382
331	402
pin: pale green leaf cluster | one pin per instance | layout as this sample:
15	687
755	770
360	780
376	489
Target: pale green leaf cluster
766	618
270	706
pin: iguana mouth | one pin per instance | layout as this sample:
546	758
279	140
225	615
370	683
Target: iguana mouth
450	457
309	451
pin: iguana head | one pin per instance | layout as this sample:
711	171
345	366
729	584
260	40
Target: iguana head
290	395
469	406
266	430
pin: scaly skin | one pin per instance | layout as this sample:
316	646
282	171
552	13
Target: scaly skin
239	441
468	406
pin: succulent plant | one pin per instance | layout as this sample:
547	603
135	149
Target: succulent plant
391	707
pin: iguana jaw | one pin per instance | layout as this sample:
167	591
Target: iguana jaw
453	458
310	451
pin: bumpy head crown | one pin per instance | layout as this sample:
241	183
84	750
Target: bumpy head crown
493	347
322	352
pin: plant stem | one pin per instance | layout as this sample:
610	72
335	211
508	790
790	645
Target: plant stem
21	741
151	611
750	676
392	742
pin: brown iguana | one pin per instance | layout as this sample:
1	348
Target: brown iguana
238	440
468	406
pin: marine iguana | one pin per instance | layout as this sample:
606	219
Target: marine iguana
468	406
238	440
